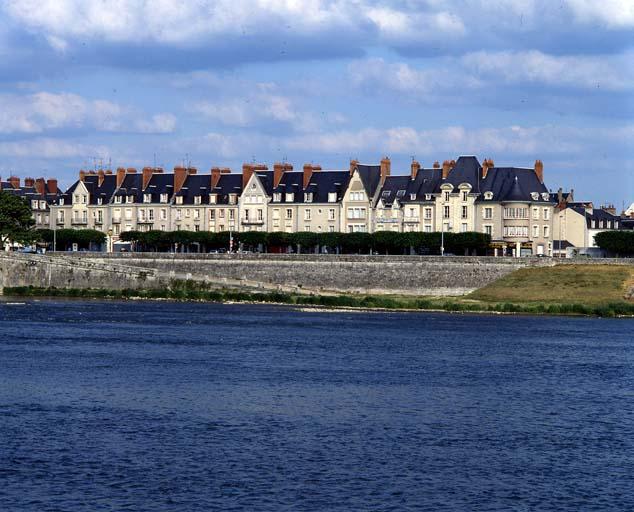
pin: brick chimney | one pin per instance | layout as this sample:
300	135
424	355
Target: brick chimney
82	175
131	170
308	171
386	166
415	169
278	172
180	175
101	176
191	170
51	185
486	165
539	170
446	167
14	181
120	175
353	166
147	176
436	165
40	186
29	182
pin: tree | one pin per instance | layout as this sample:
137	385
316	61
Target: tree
16	221
616	242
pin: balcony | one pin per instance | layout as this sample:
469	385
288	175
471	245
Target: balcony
381	220
252	222
411	220
116	220
79	222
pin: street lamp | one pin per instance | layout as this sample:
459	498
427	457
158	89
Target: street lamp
442	237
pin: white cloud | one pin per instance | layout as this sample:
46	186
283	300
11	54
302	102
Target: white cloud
51	148
583	71
43	111
614	13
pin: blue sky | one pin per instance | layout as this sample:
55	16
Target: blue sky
228	81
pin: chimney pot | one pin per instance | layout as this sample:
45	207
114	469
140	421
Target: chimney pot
539	170
40	186
29	182
353	166
14	181
120	175
436	165
446	167
309	169
180	175
51	184
385	168
415	169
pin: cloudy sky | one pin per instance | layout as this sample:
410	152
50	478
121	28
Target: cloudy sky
221	82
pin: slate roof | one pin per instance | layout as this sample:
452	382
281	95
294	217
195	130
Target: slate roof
598	215
320	185
30	193
370	177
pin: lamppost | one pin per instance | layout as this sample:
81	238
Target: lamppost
442	237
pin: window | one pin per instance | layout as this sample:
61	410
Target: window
446	196
463	227
400	194
290	197
488	213
446	212
150	213
34	204
535	231
331	214
147	198
61	201
213	198
179	199
197	199
427	229
488	196
260	214
516	213
465	212
117	199
129	199
411	212
163	198
196	214
428	213
232	215
535	213
99	216
488	229
276	213
196	227
546	213
221	213
358	196
163	214
128	214
187	213
246	215
307	214
427	197
308	197
332	197
179	213
289	214
412	197
465	196
331	229
212	215
516	231
141	215
277	197
546	231
99	200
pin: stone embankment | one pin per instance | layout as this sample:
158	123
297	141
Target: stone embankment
405	275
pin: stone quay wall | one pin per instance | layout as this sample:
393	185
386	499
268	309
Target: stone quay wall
408	275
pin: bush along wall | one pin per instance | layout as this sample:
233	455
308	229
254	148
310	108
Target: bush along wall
617	243
381	242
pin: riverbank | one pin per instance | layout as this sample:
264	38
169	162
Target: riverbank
365	302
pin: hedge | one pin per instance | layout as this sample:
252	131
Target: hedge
620	243
381	242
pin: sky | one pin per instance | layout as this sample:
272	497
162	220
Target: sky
132	83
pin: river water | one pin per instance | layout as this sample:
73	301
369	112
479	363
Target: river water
156	406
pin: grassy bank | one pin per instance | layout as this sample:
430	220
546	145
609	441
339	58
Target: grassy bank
607	309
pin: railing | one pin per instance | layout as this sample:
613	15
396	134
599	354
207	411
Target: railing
252	222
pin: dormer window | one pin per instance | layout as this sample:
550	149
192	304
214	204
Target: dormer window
179	199
427	197
197	199
233	198
488	195
545	196
147	198
61	201
412	197
99	200
277	197
308	197
332	197
34	204
213	198
534	196
117	200
42	205
446	196
129	199
163	198
290	197
400	194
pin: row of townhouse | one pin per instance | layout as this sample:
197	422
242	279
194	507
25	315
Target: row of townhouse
39	193
511	204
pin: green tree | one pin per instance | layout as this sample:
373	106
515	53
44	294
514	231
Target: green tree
620	243
16	220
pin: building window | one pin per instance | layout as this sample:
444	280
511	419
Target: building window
446	212
179	213
290	197
357	196
212	214
427	229
412	197
546	231
129	199
308	197
197	199
488	229
465	196
289	214
465	212
196	214
546	213
260	214
446	197
117	199
150	213
163	198
307	214
179	199
331	214
332	197
232	215
147	198
463	227
428	213
163	214
535	213
277	197
213	198
488	213
535	231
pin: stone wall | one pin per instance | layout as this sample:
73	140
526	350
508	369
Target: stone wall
411	275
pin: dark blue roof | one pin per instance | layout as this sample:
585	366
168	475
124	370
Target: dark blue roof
370	177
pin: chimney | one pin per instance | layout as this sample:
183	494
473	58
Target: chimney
539	170
309	169
40	186
415	169
247	172
108	171
180	175
147	176
51	184
191	170
131	170
436	165
120	176
101	174
353	166
29	182
385	168
560	196
486	165
82	175
446	167
14	181
452	164
278	172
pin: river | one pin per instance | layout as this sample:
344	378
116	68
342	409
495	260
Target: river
108	405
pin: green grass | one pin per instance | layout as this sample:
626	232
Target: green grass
187	290
572	284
